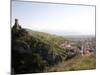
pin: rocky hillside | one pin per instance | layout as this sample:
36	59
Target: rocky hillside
35	51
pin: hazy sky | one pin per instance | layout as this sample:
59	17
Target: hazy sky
55	18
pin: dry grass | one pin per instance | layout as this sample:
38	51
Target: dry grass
77	63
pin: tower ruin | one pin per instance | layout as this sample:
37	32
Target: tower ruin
16	25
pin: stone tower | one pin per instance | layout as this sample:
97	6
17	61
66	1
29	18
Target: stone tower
16	25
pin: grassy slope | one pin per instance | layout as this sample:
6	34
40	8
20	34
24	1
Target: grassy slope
46	37
43	49
77	63
50	39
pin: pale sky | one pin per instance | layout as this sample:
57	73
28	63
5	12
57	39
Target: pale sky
60	19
